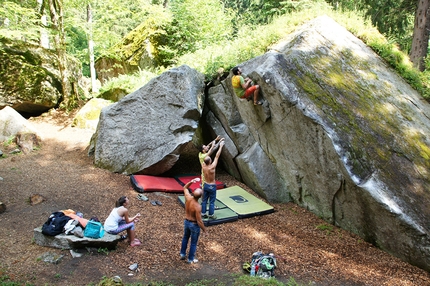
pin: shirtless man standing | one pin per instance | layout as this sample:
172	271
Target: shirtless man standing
193	222
206	150
209	186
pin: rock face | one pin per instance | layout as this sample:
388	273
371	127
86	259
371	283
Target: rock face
146	131
339	133
30	79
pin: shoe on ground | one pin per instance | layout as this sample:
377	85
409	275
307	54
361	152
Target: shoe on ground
212	217
142	197
182	257
192	261
123	237
204	216
135	242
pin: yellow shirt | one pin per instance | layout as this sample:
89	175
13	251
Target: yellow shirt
202	157
236	82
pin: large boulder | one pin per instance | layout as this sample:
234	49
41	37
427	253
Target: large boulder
340	133
88	116
138	50
146	131
30	78
12	123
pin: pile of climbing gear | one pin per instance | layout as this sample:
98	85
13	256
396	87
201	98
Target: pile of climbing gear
262	265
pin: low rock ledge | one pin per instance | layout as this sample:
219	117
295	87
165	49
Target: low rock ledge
65	241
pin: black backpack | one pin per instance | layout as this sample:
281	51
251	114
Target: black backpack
55	224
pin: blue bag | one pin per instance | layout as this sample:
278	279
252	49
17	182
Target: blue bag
94	229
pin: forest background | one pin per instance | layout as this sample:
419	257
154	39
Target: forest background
211	36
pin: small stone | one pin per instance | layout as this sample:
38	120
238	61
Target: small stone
36	199
75	254
51	257
133	266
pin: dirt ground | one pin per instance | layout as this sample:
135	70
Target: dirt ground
308	249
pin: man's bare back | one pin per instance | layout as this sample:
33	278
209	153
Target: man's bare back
209	167
192	207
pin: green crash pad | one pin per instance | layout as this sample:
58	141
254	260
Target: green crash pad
233	203
242	202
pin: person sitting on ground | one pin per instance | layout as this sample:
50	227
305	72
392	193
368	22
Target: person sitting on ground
192	223
207	150
209	187
243	86
119	220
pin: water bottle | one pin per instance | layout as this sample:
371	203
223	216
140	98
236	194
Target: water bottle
253	269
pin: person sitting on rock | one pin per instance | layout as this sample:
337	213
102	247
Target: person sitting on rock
119	220
243	86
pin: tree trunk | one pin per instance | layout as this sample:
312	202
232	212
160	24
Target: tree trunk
57	18
44	37
421	34
91	48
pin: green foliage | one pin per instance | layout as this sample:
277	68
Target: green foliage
5	281
250	42
393	18
196	25
400	61
103	250
18	22
145	40
237	280
112	21
115	19
425	79
107	282
10	140
129	82
328	228
246	280
206	282
257	12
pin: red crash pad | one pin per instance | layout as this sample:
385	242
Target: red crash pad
146	183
